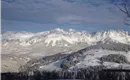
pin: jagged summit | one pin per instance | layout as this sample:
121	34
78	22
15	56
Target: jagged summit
59	36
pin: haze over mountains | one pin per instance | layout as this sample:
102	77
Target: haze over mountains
77	49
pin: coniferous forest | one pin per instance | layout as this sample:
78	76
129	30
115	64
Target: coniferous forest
83	74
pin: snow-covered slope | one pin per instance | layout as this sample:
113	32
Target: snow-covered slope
65	38
84	60
109	57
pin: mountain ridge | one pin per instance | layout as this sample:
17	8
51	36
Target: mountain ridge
57	36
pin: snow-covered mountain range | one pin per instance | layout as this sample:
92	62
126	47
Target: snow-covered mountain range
20	47
65	38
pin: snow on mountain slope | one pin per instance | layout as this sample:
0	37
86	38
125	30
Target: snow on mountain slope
96	55
51	67
89	58
112	35
92	58
59	36
22	36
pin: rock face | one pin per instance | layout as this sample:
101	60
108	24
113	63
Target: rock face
19	48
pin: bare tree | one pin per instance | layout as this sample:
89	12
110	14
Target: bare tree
124	6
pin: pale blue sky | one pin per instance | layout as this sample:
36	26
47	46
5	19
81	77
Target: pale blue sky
41	15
